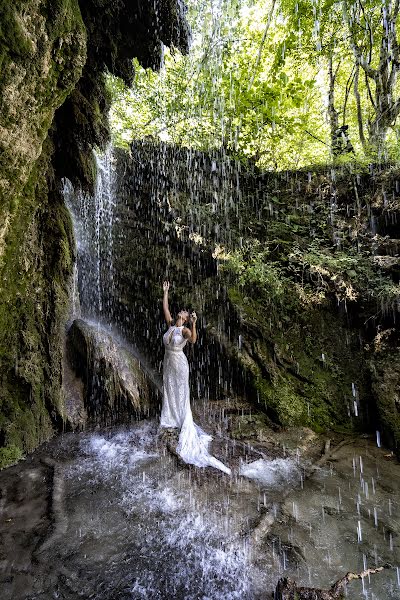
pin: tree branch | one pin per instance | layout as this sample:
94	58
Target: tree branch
369	90
338	587
264	37
356	50
287	588
347	92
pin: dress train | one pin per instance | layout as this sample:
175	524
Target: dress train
193	442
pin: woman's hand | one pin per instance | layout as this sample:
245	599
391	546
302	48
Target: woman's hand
192	334
166	287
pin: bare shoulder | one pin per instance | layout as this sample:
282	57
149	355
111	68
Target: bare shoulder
187	333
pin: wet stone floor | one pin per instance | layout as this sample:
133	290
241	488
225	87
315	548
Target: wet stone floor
114	515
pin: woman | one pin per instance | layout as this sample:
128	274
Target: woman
176	412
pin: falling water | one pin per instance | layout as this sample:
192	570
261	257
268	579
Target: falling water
93	226
210	537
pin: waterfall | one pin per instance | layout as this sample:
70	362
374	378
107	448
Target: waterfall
93	218
158	213
104	203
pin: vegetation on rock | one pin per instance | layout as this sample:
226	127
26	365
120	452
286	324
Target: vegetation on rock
288	324
53	56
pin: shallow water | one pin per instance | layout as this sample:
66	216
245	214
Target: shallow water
116	516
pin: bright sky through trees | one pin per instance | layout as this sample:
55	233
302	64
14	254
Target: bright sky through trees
281	83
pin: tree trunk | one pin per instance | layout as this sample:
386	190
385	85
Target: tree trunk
359	112
332	112
288	589
384	75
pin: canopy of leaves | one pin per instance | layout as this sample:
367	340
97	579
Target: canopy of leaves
271	81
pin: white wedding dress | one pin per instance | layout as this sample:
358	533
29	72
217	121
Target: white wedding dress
176	412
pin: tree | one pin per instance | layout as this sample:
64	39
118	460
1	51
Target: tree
282	83
378	59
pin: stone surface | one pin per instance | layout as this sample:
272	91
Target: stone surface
43	53
385	369
53	110
111	514
116	387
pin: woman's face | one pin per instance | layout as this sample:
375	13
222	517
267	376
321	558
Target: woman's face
184	314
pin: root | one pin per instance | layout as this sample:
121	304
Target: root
288	590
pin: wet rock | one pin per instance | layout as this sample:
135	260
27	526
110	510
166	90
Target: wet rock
385	245
43	50
74	394
288	590
385	372
54	110
89	514
116	387
389	264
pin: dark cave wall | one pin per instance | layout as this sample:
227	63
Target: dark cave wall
295	345
250	344
53	110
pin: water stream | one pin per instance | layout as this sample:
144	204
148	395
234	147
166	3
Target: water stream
110	514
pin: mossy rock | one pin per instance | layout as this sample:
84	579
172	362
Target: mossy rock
35	276
286	372
116	387
385	370
54	103
10	455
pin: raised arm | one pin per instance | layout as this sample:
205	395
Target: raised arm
191	334
167	314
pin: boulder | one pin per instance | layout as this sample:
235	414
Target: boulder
385	377
116	386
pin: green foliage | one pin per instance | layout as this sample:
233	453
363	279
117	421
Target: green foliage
349	273
235	89
257	83
255	273
9	456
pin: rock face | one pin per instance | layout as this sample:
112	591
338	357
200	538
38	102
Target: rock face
116	388
290	333
385	368
43	54
53	103
43	51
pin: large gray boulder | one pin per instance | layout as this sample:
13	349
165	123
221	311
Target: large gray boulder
117	388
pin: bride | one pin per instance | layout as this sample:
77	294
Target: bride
176	412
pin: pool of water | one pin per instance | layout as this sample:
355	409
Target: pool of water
113	515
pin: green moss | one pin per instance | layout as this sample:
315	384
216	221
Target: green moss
35	273
13	39
282	399
36	263
284	365
249	427
9	456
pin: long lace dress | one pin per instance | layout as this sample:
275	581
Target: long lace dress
176	412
